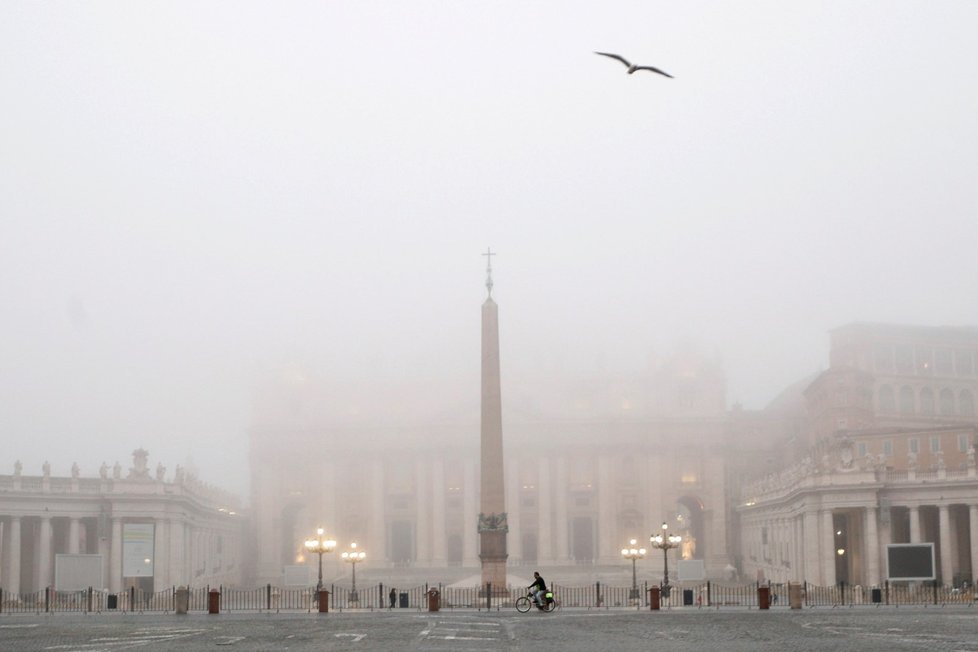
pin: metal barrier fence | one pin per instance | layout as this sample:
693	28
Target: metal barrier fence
378	597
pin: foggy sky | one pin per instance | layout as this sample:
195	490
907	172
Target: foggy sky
197	197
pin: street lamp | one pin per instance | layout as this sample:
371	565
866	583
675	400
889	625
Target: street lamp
354	556
319	545
665	541
633	553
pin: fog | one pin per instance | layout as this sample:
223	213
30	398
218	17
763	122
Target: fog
198	198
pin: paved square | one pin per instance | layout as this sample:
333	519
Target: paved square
936	629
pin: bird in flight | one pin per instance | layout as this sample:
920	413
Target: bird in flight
631	67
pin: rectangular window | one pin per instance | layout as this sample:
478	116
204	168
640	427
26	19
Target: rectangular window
764	535
942	362
904	359
883	358
935	444
888	448
963	442
913	445
861	449
925	360
962	363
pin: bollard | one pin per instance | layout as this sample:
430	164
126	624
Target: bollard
434	600
323	599
214	601
763	597
181	600
653	598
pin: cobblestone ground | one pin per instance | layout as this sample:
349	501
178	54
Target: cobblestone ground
933	629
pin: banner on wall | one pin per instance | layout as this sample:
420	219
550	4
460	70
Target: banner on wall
137	549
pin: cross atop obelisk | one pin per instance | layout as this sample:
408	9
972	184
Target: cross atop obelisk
489	256
492	517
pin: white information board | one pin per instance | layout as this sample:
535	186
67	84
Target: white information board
137	549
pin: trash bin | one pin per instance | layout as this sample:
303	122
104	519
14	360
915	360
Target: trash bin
794	595
402	600
214	602
323	599
687	597
654	598
764	597
181	600
877	596
112	602
434	600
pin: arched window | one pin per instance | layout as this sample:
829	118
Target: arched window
906	400
926	401
887	402
966	403
947	402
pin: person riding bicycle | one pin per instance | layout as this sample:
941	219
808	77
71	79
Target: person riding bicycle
539	588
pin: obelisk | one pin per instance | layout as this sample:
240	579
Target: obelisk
492	516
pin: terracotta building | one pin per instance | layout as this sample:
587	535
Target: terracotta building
887	456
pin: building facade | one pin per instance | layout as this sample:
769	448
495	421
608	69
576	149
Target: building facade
587	467
143	529
887	456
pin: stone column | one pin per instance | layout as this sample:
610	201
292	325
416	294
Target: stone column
11	575
545	553
914	513
179	574
810	544
73	536
376	529
421	537
828	548
606	513
561	533
514	539
44	570
470	516
973	531
330	490
161	571
798	560
944	527
872	548
115	557
438	557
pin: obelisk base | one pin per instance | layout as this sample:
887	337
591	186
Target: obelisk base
493	556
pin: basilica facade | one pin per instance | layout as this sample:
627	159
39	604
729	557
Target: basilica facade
587	466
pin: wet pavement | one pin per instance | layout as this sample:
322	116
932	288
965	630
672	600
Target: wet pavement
890	629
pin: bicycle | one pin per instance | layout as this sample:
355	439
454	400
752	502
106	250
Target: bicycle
550	603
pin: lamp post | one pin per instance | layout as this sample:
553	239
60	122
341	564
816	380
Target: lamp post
319	545
633	553
665	541
353	557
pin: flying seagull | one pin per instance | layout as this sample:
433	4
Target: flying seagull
633	68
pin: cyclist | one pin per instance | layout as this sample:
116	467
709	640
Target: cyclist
539	588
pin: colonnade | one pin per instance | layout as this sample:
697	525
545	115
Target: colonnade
182	553
439	499
819	542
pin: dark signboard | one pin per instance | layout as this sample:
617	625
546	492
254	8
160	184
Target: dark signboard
910	561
